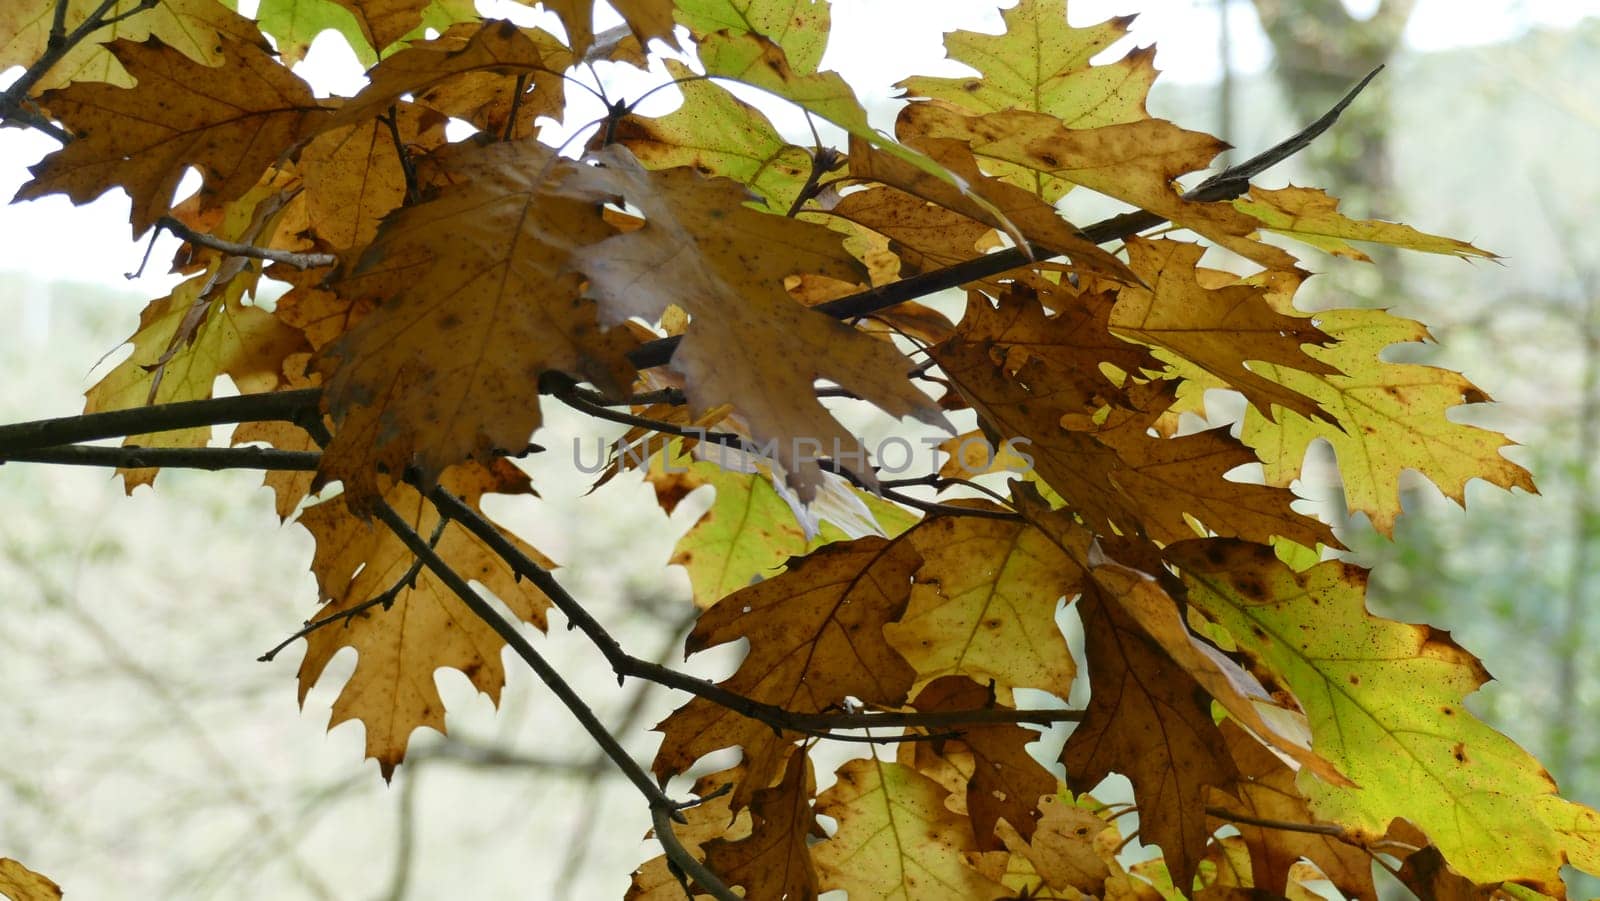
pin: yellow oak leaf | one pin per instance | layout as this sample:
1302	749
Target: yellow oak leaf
1041	64
144	139
425	626
477	302
1387	417
19	883
353	176
896	839
753	525
1218	329
1312	216
184	342
194	28
984	606
748	343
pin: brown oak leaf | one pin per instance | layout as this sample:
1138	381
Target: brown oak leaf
477	302
231	122
425	626
748	343
816	638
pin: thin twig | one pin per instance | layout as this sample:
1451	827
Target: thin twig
516	104
1224	185
233	248
408	168
384	599
11	101
662	808
578	401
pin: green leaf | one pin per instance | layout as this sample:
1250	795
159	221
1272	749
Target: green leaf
294	24
1386	705
1312	216
800	27
719	134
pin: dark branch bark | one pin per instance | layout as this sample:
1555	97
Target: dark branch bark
278	406
209	458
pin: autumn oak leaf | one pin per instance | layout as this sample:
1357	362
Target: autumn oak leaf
231	122
816	639
896	838
748	343
424	625
477	302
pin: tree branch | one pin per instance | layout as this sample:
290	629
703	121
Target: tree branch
625	664
233	248
384	599
575	398
662	808
209	458
278	406
58	46
1231	816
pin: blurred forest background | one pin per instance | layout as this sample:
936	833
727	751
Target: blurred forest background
148	754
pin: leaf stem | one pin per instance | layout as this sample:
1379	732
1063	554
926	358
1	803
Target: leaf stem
1232	816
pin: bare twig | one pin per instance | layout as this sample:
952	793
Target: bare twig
578	401
384	599
233	248
662	808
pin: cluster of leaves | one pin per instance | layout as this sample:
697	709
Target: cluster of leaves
696	276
